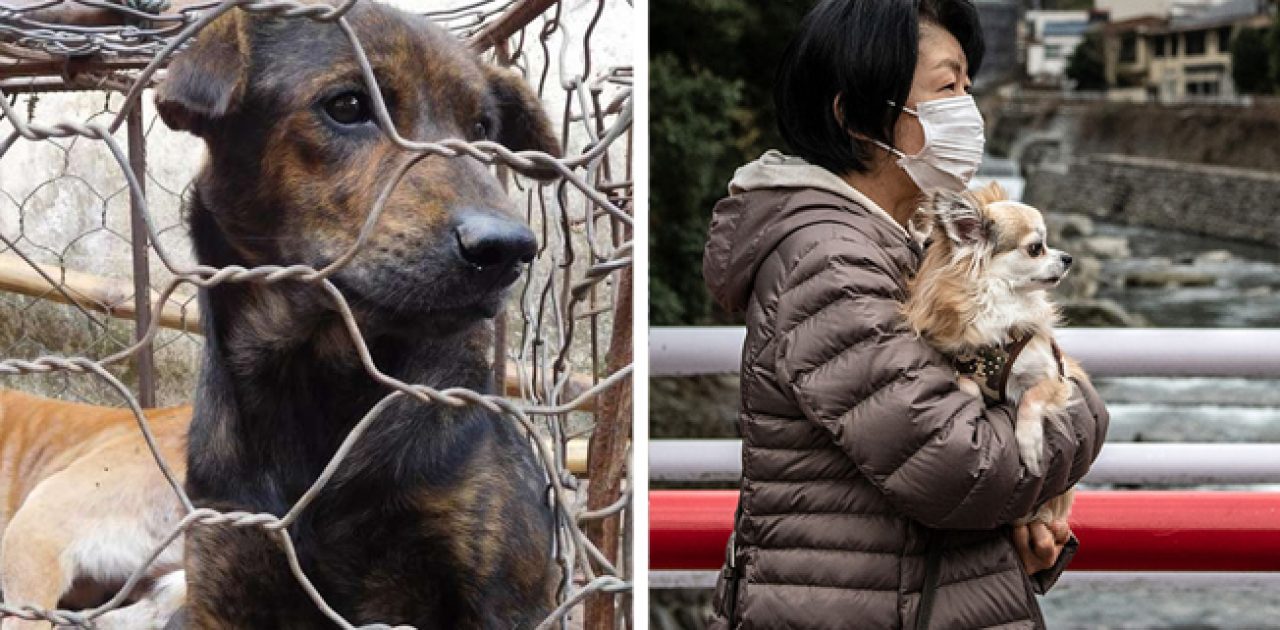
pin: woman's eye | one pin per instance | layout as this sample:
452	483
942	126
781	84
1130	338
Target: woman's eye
1035	249
348	108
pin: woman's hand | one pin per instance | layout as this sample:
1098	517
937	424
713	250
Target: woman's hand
1039	544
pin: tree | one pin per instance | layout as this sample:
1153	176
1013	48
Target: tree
1250	65
1087	65
710	93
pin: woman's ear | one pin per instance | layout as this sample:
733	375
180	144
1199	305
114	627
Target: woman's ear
207	80
522	123
959	217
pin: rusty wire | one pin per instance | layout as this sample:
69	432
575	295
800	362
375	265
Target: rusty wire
584	220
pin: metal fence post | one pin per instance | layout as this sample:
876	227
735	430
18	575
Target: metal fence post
145	357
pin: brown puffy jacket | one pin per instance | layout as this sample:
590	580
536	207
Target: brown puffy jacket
861	458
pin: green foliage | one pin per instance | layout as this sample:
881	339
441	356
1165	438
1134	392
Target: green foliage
711	110
1250	67
1087	66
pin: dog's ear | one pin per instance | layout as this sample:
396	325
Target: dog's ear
959	217
522	123
207	80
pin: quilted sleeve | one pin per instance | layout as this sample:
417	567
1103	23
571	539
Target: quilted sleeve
891	402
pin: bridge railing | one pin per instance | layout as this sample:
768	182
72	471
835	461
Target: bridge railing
1189	537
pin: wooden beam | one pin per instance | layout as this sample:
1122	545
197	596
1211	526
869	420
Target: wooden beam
71	13
509	23
111	296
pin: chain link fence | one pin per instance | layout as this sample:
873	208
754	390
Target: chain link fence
98	285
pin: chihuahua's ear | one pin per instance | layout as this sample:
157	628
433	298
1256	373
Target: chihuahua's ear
523	125
958	216
207	80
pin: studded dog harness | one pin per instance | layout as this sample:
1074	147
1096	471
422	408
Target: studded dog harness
990	366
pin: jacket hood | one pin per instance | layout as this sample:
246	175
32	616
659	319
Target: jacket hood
762	209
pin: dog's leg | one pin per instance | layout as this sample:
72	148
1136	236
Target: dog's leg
153	610
232	571
969	386
1029	427
32	571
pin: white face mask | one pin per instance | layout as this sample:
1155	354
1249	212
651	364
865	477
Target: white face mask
953	143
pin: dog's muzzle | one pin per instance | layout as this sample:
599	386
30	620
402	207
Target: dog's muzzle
496	247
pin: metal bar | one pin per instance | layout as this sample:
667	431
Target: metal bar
1121	531
145	357
1254	352
1119	463
1166	580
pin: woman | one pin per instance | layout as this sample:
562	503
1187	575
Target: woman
875	493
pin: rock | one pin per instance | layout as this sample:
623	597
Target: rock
1105	247
1101	313
698	406
1070	226
1177	276
1214	256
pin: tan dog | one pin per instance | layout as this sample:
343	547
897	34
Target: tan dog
980	297
84	505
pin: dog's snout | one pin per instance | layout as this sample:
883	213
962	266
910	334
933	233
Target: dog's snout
1066	259
495	244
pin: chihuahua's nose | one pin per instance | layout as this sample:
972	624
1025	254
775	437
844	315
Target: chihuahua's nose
495	245
1066	260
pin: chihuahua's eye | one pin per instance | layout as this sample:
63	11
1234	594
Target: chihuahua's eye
348	108
1035	249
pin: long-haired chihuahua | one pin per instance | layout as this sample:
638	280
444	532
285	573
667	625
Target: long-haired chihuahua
981	297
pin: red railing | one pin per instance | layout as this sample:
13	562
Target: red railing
1118	530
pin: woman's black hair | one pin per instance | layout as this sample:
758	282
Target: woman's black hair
865	51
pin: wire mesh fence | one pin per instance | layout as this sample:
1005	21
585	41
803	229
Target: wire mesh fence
98	285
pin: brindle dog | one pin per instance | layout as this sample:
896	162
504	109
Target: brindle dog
438	517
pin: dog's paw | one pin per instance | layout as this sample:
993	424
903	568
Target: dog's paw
1030	436
969	386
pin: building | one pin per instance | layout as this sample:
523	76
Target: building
1186	54
1051	37
1122	10
1000	29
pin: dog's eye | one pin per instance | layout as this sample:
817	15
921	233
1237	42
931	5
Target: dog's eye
348	108
480	131
1035	249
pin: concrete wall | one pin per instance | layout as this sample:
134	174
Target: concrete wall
1224	202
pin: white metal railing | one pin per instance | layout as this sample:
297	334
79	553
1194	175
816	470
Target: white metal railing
1252	352
1119	463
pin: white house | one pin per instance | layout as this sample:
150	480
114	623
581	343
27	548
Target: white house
1051	38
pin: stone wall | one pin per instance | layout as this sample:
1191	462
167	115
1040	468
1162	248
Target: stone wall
1221	134
1225	202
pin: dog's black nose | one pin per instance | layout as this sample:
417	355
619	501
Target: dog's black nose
495	244
1066	259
